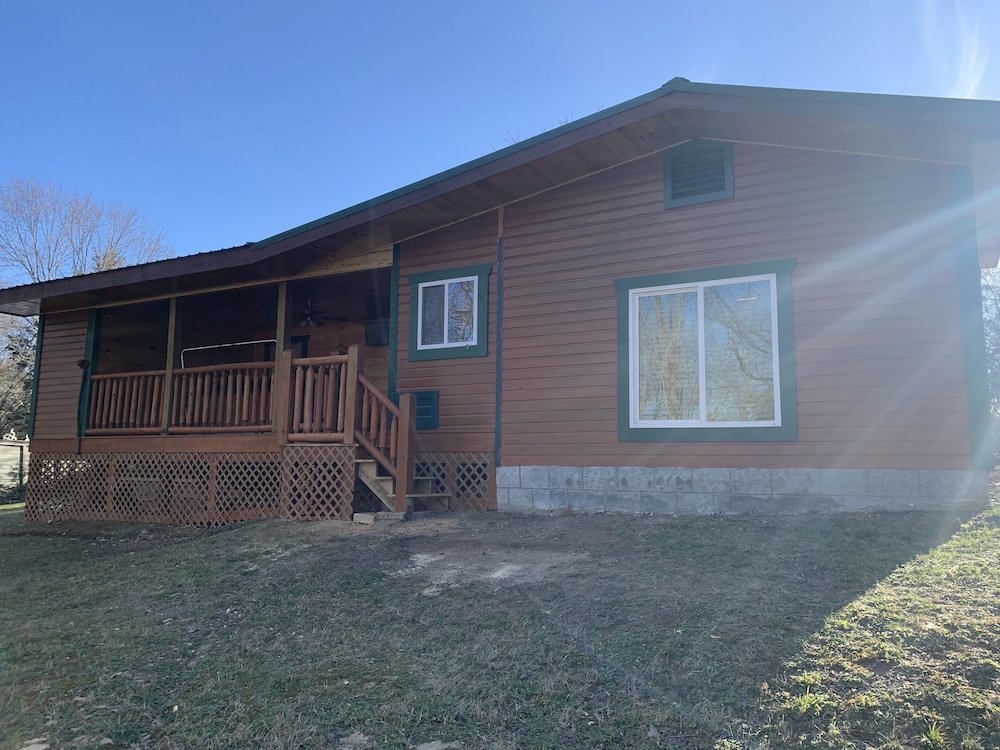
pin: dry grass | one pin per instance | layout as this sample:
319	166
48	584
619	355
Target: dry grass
501	631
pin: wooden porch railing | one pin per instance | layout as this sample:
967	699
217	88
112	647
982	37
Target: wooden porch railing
126	403
318	398
322	400
233	398
221	398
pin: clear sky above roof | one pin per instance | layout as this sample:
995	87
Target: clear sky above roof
229	121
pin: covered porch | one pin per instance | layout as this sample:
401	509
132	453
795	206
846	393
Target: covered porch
300	439
214	363
247	403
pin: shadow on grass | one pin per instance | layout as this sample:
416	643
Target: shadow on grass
491	630
691	617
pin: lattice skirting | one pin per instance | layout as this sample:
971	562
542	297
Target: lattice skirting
317	482
178	488
303	482
470	478
203	489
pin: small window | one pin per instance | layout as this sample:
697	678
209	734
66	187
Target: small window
697	172
448	313
707	355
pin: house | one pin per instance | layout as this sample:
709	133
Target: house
708	299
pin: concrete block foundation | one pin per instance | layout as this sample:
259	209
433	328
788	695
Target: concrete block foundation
685	491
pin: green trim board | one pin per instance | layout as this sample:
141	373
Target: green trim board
479	349
89	362
393	325
788	428
970	304
34	376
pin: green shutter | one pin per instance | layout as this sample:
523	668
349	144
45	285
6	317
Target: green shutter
427	409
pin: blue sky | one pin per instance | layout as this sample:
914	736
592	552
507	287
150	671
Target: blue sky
226	122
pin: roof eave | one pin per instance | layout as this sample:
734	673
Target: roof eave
974	119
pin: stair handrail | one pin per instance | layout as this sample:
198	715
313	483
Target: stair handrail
387	432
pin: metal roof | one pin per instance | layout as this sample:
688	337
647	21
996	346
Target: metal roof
891	126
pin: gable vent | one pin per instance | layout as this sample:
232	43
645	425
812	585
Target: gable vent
696	173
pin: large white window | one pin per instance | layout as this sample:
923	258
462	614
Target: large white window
705	354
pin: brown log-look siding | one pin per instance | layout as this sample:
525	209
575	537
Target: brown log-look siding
880	369
466	386
64	341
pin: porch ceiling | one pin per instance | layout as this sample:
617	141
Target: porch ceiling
894	127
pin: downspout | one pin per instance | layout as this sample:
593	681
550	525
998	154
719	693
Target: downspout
498	404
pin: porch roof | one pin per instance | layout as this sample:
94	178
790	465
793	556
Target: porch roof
949	131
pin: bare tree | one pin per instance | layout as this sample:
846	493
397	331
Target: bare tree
47	233
16	370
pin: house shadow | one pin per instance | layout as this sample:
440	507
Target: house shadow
697	614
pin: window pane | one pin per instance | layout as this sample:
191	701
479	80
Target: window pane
739	364
668	356
432	315
461	311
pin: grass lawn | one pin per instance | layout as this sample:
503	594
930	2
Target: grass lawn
504	631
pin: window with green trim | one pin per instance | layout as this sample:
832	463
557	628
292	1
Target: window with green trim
703	355
448	313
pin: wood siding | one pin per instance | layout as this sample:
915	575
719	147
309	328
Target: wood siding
466	386
337	337
64	340
879	355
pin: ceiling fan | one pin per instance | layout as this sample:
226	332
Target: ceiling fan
310	317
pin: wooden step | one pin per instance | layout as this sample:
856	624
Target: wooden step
429	501
423	496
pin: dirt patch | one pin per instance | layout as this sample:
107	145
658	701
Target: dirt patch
449	568
492	549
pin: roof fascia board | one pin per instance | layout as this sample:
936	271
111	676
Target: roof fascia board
977	117
473	171
952	112
882	109
28	295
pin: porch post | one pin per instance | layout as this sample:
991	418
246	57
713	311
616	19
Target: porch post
283	396
352	409
404	452
168	374
279	422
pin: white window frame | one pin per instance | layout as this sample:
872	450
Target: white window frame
421	346
633	338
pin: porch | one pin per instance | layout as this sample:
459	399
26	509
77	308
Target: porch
304	427
340	447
